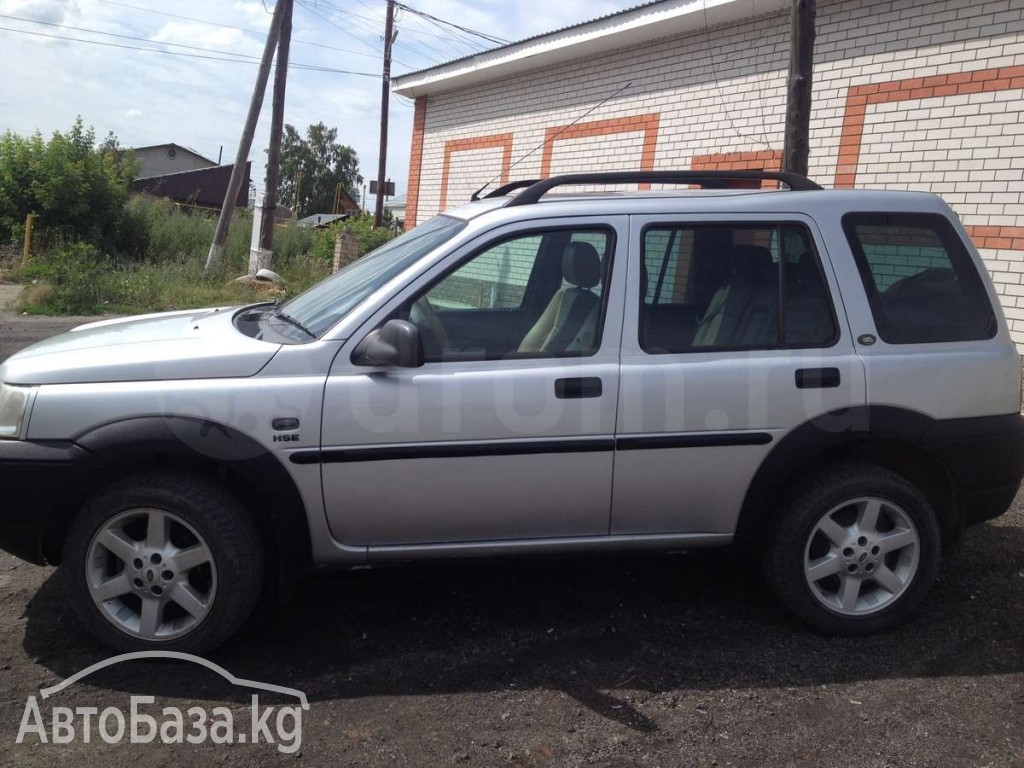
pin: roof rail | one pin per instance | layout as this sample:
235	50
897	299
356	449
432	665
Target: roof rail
506	188
708	179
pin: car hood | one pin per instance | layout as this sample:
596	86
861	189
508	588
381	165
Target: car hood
193	344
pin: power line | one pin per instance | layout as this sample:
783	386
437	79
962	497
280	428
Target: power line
235	60
228	26
484	35
124	37
316	12
718	86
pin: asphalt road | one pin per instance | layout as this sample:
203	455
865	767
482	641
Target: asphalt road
611	661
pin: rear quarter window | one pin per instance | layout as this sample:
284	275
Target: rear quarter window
921	282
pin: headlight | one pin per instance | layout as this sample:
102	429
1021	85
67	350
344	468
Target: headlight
13	407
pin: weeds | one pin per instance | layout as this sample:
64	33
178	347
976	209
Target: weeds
158	265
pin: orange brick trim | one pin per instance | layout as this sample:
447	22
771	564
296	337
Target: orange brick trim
762	160
412	199
647	123
1005	238
501	141
859	97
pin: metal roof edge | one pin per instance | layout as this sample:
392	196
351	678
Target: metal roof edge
637	25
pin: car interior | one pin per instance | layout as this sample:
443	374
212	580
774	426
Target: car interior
542	299
710	288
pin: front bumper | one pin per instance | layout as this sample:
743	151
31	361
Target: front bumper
33	479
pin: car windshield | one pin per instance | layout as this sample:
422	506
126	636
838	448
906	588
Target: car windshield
328	301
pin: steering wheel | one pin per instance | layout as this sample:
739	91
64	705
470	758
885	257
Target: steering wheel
423	314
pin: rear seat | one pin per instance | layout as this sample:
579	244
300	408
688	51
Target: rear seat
744	312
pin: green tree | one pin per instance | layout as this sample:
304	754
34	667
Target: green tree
77	189
315	165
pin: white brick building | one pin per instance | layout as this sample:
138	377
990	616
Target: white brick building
924	95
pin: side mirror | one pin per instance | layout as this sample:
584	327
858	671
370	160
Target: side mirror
396	344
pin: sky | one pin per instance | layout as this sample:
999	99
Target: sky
159	96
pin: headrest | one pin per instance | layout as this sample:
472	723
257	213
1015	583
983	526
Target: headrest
581	266
750	262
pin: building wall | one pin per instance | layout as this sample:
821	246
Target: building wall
907	95
157	161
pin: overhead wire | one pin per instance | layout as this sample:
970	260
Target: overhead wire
477	33
210	23
230	58
763	139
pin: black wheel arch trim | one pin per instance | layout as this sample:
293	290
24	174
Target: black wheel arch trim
973	456
118	448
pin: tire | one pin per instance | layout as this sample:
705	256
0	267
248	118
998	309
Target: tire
865	579
201	561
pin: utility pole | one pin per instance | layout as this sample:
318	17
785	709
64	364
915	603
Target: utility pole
797	146
220	235
276	129
385	95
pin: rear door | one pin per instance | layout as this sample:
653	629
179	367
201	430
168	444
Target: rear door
732	337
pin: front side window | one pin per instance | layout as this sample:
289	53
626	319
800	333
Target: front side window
732	287
920	280
536	294
328	301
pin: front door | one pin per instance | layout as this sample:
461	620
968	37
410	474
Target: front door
732	338
507	431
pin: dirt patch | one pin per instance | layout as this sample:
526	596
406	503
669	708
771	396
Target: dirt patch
9	293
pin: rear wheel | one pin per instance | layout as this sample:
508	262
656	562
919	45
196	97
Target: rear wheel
855	551
163	560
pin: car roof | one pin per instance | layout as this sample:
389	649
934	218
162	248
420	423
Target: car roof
710	201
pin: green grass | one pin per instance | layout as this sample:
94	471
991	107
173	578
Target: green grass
159	265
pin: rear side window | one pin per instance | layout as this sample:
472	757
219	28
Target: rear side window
920	280
716	287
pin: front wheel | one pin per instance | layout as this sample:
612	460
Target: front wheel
163	561
855	551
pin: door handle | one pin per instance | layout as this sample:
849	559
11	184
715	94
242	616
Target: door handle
817	378
574	389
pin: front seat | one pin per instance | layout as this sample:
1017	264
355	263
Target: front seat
569	323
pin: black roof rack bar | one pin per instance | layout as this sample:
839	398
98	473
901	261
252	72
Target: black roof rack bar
711	179
510	187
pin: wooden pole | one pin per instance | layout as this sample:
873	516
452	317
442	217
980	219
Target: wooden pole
27	249
276	130
797	146
220	235
385	95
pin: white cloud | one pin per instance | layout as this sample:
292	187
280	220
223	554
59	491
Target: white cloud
42	10
151	97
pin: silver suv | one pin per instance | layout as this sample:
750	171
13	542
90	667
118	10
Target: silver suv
822	377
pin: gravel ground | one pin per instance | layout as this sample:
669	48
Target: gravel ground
610	661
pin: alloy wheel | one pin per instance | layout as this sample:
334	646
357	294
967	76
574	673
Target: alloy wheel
861	556
151	574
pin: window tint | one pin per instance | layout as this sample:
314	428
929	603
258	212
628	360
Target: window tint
330	300
919	277
717	287
538	294
496	279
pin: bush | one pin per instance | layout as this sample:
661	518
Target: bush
77	189
76	276
361	226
